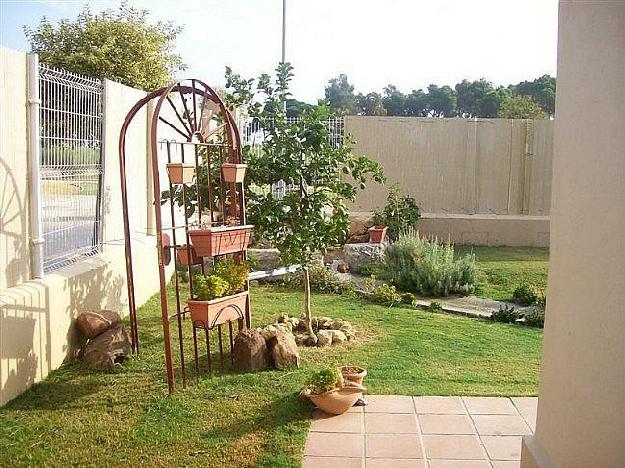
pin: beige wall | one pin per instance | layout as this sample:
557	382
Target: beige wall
36	317
14	244
459	166
581	409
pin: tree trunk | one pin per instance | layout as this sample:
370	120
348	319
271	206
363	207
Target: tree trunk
307	314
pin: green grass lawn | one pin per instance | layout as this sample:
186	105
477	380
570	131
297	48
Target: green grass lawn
78	418
502	269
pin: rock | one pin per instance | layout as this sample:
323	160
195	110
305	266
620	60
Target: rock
311	340
324	338
269	332
282	318
324	323
294	322
250	351
333	253
360	222
360	239
343	267
265	259
337	336
110	347
300	338
357	255
92	323
283	349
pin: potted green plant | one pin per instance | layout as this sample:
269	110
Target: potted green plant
377	234
329	392
210	241
353	373
180	173
219	297
233	173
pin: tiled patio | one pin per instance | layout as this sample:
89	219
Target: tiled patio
423	432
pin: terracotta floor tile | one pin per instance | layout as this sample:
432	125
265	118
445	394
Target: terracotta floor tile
459	464
356	409
446	424
392	446
390	423
332	462
439	405
389	404
503	447
500	424
394	463
346	422
528	407
455	447
506	463
489	405
331	444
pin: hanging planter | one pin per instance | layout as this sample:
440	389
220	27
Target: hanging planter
233	173
377	234
187	256
208	314
180	173
220	240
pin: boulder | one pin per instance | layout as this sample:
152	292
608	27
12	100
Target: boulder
337	336
357	255
250	351
265	259
324	338
342	267
92	323
268	332
332	254
283	349
110	347
359	223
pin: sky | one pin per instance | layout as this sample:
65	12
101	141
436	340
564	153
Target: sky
409	43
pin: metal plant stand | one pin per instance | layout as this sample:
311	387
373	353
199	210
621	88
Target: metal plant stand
192	136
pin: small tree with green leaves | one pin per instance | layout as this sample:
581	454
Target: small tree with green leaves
120	45
314	216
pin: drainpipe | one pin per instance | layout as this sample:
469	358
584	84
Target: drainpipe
34	182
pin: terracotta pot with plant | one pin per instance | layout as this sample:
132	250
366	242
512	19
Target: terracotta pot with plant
377	234
180	173
219	297
233	173
330	393
353	374
219	240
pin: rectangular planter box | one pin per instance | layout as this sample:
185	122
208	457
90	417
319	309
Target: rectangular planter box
180	173
208	314
182	255
220	240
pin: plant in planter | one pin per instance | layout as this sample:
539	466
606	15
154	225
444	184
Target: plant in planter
330	393
302	154
400	213
210	241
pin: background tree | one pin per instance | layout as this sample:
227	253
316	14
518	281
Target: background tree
295	108
417	104
340	94
116	44
394	101
314	217
441	101
371	104
515	106
477	99
542	90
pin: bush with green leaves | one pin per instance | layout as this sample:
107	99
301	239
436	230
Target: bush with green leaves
381	294
324	380
322	279
435	306
206	288
535	318
372	268
400	213
505	314
428	267
527	294
234	273
409	299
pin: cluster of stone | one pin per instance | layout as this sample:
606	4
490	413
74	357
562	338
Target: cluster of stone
108	342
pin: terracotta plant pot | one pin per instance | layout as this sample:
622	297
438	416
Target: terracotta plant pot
180	173
339	400
208	314
220	240
353	374
233	173
377	234
182	256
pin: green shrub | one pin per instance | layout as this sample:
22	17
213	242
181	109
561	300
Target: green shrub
385	294
409	298
324	380
235	274
322	279
527	294
372	268
427	267
505	314
435	306
399	214
535	318
209	287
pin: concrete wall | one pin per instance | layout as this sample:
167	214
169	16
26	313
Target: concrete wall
482	181
581	409
36	316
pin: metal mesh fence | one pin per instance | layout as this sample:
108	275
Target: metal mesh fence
71	165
